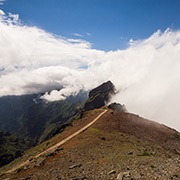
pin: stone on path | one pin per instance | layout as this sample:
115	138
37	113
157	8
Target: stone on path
112	172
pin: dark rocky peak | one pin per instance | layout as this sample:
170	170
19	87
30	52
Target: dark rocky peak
105	88
99	96
117	107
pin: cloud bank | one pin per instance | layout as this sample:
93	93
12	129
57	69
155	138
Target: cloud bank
146	74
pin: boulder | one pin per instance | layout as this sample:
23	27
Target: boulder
117	107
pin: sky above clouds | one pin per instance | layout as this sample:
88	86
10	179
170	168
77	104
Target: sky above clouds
77	45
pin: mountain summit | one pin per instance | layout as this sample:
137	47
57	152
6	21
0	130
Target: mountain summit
99	96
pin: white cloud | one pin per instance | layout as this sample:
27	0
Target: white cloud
9	19
15	17
147	73
77	34
2	13
80	41
131	42
89	34
2	2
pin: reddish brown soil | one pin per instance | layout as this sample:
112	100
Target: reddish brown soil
117	141
141	128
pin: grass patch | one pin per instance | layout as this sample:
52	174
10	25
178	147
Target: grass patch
152	166
144	154
169	156
94	130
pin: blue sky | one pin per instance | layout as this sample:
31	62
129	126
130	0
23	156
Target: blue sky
110	23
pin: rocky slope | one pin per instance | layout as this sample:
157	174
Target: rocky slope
119	145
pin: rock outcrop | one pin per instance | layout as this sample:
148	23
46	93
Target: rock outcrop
99	96
117	107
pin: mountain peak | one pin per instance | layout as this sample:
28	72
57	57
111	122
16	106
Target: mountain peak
99	96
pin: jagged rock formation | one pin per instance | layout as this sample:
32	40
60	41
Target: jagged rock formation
99	96
117	107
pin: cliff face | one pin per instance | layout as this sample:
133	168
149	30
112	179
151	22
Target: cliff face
99	96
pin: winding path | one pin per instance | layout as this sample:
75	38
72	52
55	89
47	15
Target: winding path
53	148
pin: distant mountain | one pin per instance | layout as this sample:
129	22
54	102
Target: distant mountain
11	147
34	119
11	108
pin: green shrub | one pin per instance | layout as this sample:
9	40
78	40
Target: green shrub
103	138
94	130
144	154
152	166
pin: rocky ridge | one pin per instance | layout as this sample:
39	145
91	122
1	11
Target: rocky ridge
108	151
119	146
